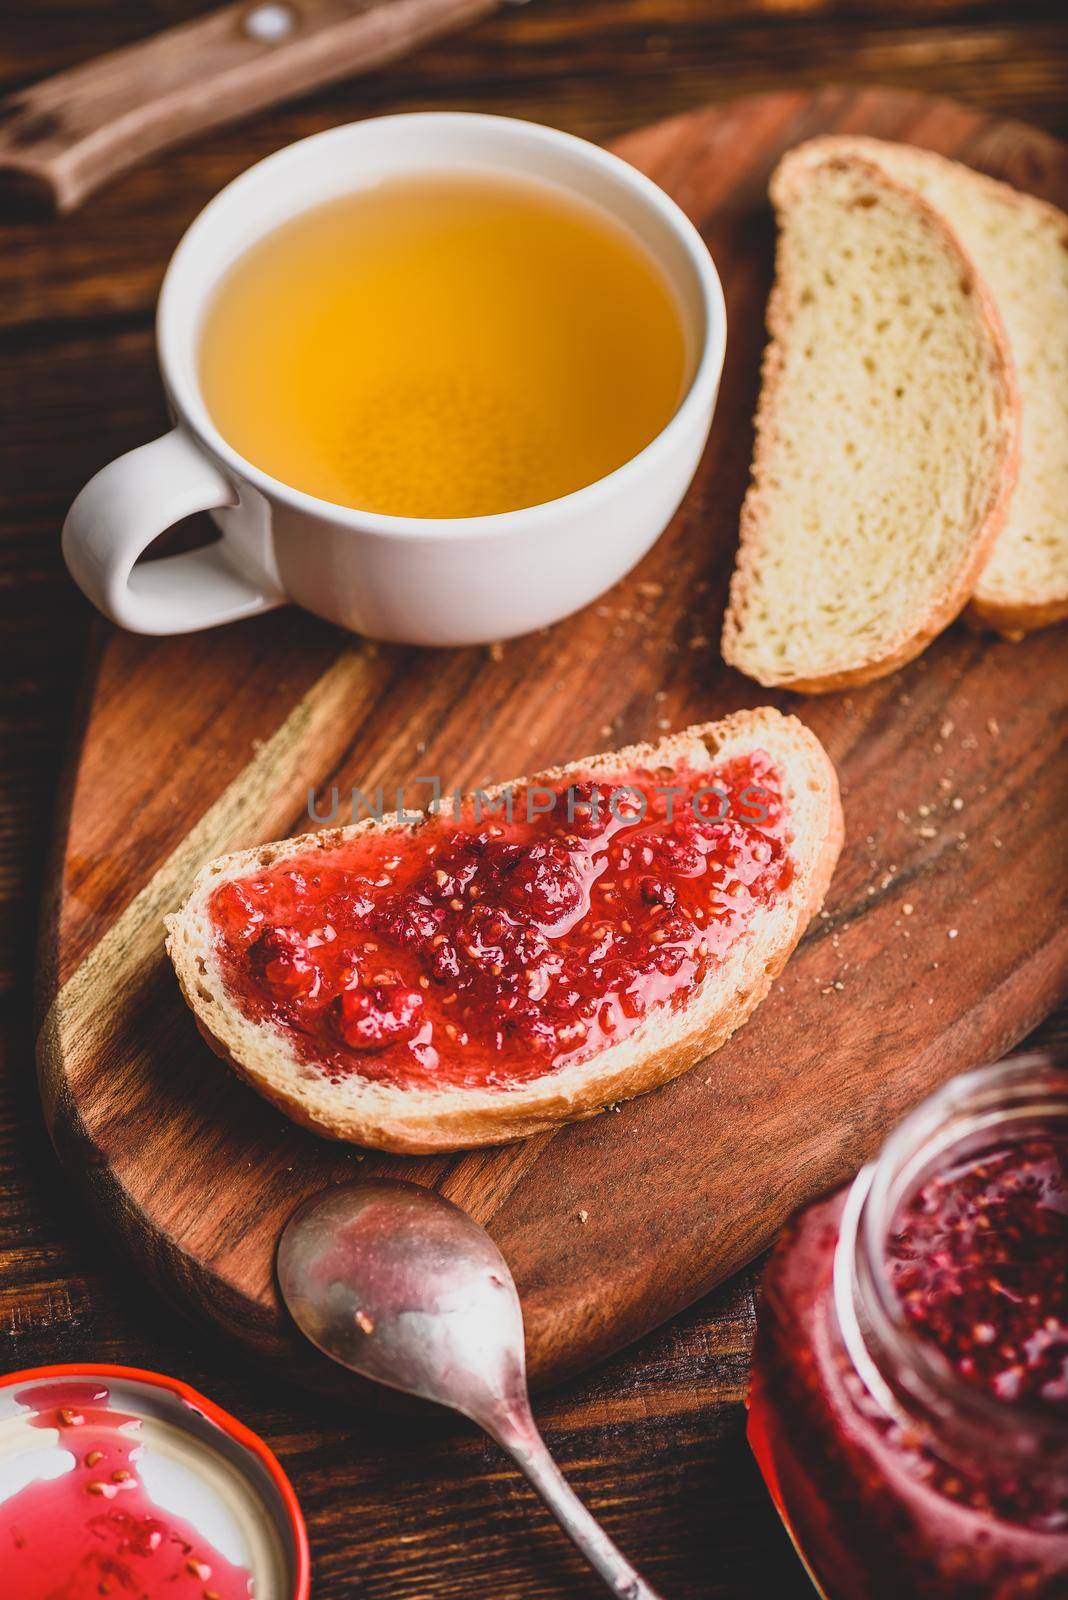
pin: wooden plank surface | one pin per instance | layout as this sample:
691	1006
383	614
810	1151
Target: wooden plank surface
654	1438
196	745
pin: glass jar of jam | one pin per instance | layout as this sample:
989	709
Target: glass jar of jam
909	1392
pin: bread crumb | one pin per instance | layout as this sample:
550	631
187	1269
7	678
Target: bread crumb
908	908
927	833
953	933
584	1216
957	803
992	726
946	729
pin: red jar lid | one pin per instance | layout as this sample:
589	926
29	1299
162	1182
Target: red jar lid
114	1477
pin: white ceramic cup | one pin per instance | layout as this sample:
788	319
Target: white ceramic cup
448	581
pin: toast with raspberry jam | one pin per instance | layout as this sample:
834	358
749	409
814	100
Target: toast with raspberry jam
524	958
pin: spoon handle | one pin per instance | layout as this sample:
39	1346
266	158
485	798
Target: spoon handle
528	1449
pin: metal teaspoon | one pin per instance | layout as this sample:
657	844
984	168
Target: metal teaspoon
396	1283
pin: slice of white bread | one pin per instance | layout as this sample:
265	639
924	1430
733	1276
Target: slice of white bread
1020	246
886	433
668	1040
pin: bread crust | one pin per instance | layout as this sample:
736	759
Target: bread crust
1012	617
1014	621
667	1043
947	606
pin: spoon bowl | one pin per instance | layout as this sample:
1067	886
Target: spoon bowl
400	1285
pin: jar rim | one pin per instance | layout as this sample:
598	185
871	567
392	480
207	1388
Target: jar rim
990	1099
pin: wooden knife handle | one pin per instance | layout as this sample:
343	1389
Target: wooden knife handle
62	138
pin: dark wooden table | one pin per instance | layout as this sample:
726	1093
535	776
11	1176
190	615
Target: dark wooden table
654	1440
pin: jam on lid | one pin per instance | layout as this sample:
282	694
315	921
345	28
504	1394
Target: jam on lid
487	951
94	1530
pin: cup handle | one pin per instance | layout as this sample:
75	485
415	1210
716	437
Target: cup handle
127	505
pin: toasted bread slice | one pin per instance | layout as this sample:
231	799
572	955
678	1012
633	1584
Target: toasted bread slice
671	1036
1020	246
886	434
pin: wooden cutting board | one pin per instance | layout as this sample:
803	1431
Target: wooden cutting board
942	943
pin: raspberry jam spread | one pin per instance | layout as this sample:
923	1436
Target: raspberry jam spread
93	1531
908	1401
488	951
979	1261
